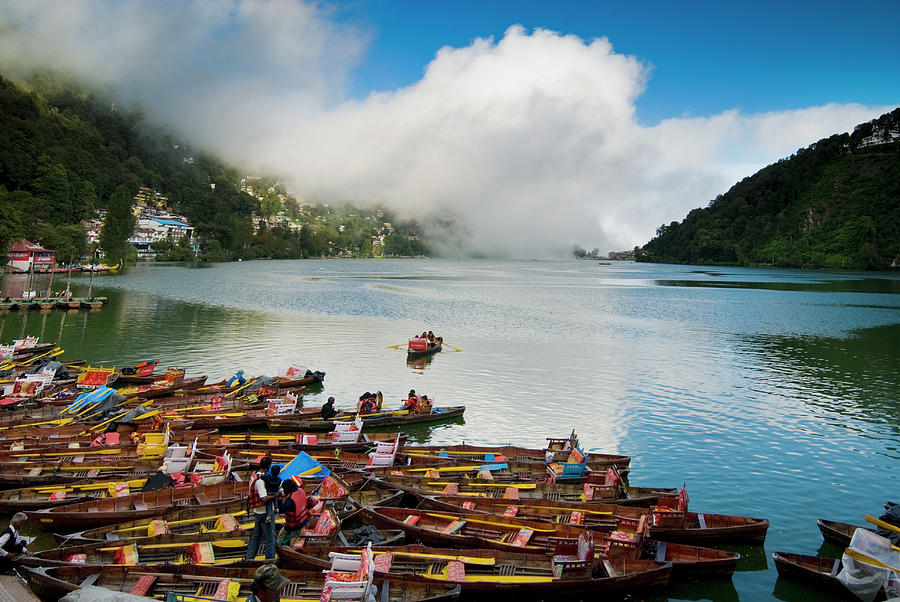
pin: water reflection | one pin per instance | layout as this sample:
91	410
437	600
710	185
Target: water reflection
862	285
853	377
420	362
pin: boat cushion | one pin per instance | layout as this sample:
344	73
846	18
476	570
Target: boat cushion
456	571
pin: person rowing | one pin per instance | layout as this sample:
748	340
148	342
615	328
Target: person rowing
412	402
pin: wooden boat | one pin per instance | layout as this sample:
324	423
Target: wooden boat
52	583
130	507
140	374
692	527
838	533
472	531
477	530
418	347
33	474
35	498
522	455
488	571
618	493
229	546
812	570
316	445
312	422
161	388
91	303
200	519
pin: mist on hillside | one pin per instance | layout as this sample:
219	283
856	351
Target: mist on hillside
531	142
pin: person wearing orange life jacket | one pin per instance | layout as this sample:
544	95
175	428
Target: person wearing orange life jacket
412	402
294	504
262	507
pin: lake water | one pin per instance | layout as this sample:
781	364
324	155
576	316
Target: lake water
769	393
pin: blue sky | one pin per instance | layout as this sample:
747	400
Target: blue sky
706	57
542	137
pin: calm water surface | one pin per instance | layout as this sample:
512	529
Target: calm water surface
769	393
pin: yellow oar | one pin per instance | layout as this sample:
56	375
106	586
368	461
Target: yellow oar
242	387
869	560
495	485
469	519
57	422
105	422
37	357
882	524
465	559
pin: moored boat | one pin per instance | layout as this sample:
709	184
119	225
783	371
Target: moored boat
130	507
626	538
52	583
695	528
574	571
813	570
838	533
312	422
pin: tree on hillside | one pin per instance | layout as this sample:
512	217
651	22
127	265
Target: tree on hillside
118	227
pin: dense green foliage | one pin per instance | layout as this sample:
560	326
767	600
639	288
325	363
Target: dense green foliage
834	204
118	226
65	152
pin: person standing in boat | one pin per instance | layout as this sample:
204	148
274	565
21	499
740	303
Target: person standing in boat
10	541
328	412
262	506
295	505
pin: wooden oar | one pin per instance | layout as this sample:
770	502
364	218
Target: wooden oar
465	559
37	357
469	519
242	387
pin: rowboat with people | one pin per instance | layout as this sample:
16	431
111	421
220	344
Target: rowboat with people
311	422
225	543
193	580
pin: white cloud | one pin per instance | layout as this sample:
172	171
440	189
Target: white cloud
532	138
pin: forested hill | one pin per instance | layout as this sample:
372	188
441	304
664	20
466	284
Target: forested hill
834	204
65	151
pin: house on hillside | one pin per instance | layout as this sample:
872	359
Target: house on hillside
24	255
149	230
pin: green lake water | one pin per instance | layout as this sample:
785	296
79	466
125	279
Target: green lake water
770	393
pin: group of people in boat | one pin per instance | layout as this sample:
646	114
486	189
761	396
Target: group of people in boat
372	403
417	404
269	495
429	336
